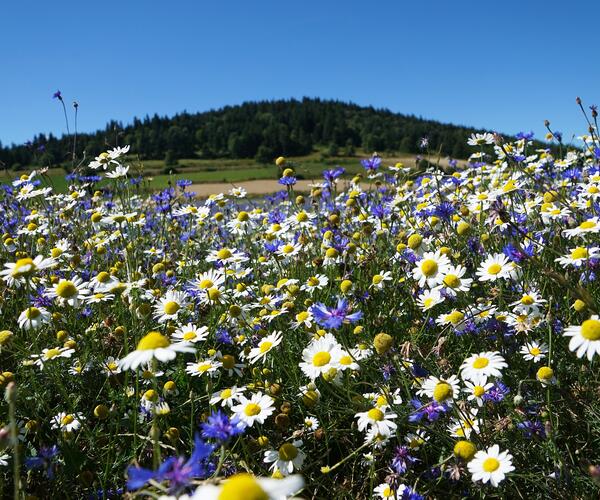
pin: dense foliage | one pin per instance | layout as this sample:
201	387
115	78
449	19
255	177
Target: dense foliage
260	130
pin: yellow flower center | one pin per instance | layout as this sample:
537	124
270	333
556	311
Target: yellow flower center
455	317
228	361
214	293
52	353
224	253
375	414
478	391
242	487
545	373
189	335
494	269
203	367
67	419
442	391
588	224
66	289
171	307
590	329
288	248
480	362
23	267
490	464
346	360
265	346
377	279
579	253
312	281
153	340
226	394
527	300
112	366
243	216
205	284
32	313
535	351
451	280
302	316
103	277
429	267
321	358
302	217
288	452
252	409
56	252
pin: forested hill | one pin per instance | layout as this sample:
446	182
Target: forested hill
261	130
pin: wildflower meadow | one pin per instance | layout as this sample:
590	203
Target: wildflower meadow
411	332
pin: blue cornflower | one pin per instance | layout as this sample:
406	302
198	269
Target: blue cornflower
532	428
183	183
334	317
444	210
402	459
431	411
371	164
223	337
525	135
333	174
287	181
220	427
176	470
496	393
43	460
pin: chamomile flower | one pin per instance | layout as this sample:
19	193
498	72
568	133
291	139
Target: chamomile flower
477	389
191	333
169	306
286	459
245	486
67	422
206	367
486	364
490	465
534	351
15	274
589	226
377	419
428	299
70	292
431	268
578	256
227	397
153	345
265	345
320	357
311	424
33	318
256	409
495	267
50	354
585	338
440	390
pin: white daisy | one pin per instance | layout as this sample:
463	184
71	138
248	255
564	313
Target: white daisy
486	364
256	409
153	345
286	459
585	338
490	465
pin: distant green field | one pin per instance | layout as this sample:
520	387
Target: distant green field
218	170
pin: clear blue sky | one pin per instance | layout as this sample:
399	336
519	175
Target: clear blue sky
504	65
